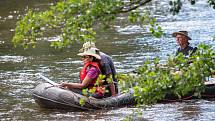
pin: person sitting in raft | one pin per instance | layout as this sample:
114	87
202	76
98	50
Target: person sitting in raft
89	74
182	40
108	68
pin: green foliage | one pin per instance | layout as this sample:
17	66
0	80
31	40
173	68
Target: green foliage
192	2
92	91
176	5
109	79
145	19
30	27
126	81
133	17
76	21
179	76
82	102
98	83
85	92
212	3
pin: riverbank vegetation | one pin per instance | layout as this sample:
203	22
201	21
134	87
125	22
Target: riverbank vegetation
77	21
178	76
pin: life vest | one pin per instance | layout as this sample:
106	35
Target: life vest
83	73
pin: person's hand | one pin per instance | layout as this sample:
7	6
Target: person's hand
101	82
92	98
64	85
113	95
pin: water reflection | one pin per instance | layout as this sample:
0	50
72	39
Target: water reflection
190	111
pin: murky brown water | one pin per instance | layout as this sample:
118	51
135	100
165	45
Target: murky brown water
128	48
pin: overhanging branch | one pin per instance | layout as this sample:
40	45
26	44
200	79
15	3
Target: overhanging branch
132	6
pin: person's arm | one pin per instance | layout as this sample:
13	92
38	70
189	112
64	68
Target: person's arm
91	75
112	89
82	85
112	86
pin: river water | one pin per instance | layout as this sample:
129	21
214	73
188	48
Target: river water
128	46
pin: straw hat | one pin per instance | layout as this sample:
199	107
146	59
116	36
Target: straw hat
87	45
184	33
92	52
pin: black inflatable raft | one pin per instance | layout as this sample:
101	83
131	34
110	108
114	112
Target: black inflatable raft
48	96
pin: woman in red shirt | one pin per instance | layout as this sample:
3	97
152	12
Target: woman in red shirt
89	74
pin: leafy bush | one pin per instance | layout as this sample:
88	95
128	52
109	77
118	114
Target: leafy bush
178	76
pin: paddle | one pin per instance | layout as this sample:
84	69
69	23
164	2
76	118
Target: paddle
46	79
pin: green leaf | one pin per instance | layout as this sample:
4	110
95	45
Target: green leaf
82	102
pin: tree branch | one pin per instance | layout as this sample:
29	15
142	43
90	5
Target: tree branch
133	5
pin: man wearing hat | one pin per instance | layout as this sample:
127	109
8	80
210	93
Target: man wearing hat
107	66
182	39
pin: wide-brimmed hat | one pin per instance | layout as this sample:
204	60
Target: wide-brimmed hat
184	33
87	45
92	52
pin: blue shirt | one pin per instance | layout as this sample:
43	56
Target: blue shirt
108	66
186	51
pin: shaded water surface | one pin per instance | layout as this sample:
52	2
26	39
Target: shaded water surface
128	47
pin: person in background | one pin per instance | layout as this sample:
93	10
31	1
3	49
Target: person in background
108	68
89	75
182	40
